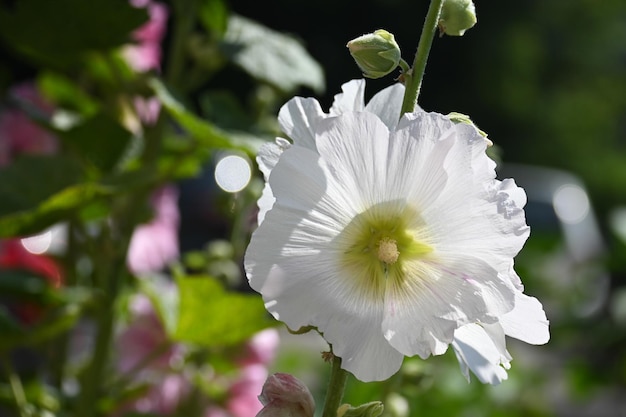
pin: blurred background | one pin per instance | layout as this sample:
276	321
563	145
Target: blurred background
545	79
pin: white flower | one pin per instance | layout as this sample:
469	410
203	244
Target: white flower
392	237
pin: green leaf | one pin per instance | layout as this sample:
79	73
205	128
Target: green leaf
64	93
60	31
18	284
38	191
202	131
214	15
62	320
211	316
30	180
271	56
99	140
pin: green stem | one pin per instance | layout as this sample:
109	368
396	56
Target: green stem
336	386
413	79
184	15
17	388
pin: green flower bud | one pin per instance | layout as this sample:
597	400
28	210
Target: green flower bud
373	409
463	118
377	54
456	17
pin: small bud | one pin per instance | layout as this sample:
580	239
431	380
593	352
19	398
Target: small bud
373	409
285	396
465	119
456	17
377	54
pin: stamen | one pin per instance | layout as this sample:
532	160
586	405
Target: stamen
388	251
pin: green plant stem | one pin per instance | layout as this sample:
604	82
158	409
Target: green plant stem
336	386
17	389
184	15
413	78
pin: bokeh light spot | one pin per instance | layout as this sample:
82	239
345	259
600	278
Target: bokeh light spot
232	173
571	203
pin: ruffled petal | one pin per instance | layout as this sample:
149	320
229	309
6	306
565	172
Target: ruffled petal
298	118
387	104
267	158
476	351
352	98
527	321
434	298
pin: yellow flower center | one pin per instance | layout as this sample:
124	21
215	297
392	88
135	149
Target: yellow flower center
382	246
388	251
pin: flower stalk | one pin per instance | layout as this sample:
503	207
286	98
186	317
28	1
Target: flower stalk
336	386
413	78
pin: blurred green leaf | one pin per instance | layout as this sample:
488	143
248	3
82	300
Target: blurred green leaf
23	285
61	320
204	132
60	31
99	140
9	327
64	93
39	191
211	316
214	15
30	180
270	56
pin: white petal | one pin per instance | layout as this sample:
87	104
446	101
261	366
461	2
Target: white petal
386	104
268	155
298	118
357	339
435	298
527	321
475	350
352	98
266	159
354	146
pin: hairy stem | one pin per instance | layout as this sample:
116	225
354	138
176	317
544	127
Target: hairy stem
413	78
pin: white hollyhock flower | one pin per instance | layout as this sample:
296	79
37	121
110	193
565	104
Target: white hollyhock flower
393	238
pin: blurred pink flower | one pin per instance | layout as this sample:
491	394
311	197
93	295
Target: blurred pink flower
145	54
143	337
144	349
261	349
21	135
155	244
243	394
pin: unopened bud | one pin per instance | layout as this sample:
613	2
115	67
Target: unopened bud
285	396
373	409
377	54
456	17
465	119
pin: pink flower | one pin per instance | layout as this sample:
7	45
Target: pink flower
144	336
243	393
155	244
143	339
145	54
285	396
21	135
261	349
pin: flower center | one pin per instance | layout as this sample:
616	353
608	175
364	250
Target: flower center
388	251
381	246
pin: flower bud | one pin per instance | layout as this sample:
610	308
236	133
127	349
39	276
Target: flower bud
456	17
377	54
373	409
465	119
285	396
